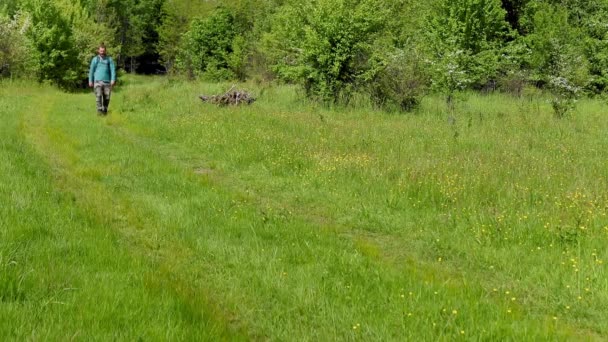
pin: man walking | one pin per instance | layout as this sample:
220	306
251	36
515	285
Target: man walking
102	76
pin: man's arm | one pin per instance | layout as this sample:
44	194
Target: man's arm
112	72
92	71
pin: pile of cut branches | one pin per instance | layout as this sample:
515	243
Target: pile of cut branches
231	97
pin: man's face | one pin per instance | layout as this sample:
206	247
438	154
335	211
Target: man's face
102	51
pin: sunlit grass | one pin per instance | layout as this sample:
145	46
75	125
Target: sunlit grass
287	220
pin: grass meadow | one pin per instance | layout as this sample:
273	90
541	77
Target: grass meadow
171	219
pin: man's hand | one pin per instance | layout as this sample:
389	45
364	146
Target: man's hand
90	84
113	83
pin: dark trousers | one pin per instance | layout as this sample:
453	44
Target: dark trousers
102	93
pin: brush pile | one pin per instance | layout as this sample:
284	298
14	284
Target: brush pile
231	97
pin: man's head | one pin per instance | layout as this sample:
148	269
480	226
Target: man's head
101	50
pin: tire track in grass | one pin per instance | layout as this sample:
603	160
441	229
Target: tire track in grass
197	309
54	283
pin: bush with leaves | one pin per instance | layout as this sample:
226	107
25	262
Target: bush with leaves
451	74
210	48
596	47
16	49
326	45
464	39
9	7
86	37
556	47
401	82
53	40
135	25
176	17
572	30
597	52
557	60
564	97
514	67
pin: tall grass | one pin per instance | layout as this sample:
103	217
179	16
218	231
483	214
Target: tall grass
171	219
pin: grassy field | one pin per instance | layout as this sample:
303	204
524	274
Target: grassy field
174	220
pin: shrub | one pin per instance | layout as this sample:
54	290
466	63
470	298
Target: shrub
52	38
557	58
596	50
450	74
564	97
211	48
401	83
556	48
513	72
326	45
16	49
464	39
86	37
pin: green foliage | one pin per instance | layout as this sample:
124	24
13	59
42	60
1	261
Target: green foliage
596	46
129	30
557	58
9	7
86	35
515	12
597	52
401	83
326	45
16	49
174	23
465	38
249	19
209	48
555	47
473	25
564	97
333	48
450	73
53	39
135	25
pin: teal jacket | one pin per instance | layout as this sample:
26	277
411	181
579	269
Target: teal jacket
102	69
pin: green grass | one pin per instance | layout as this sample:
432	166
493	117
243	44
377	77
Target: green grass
171	219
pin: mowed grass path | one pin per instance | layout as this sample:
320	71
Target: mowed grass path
173	220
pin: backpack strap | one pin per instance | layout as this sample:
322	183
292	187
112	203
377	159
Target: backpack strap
97	60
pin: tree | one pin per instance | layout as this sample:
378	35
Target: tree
87	34
175	22
135	25
515	10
